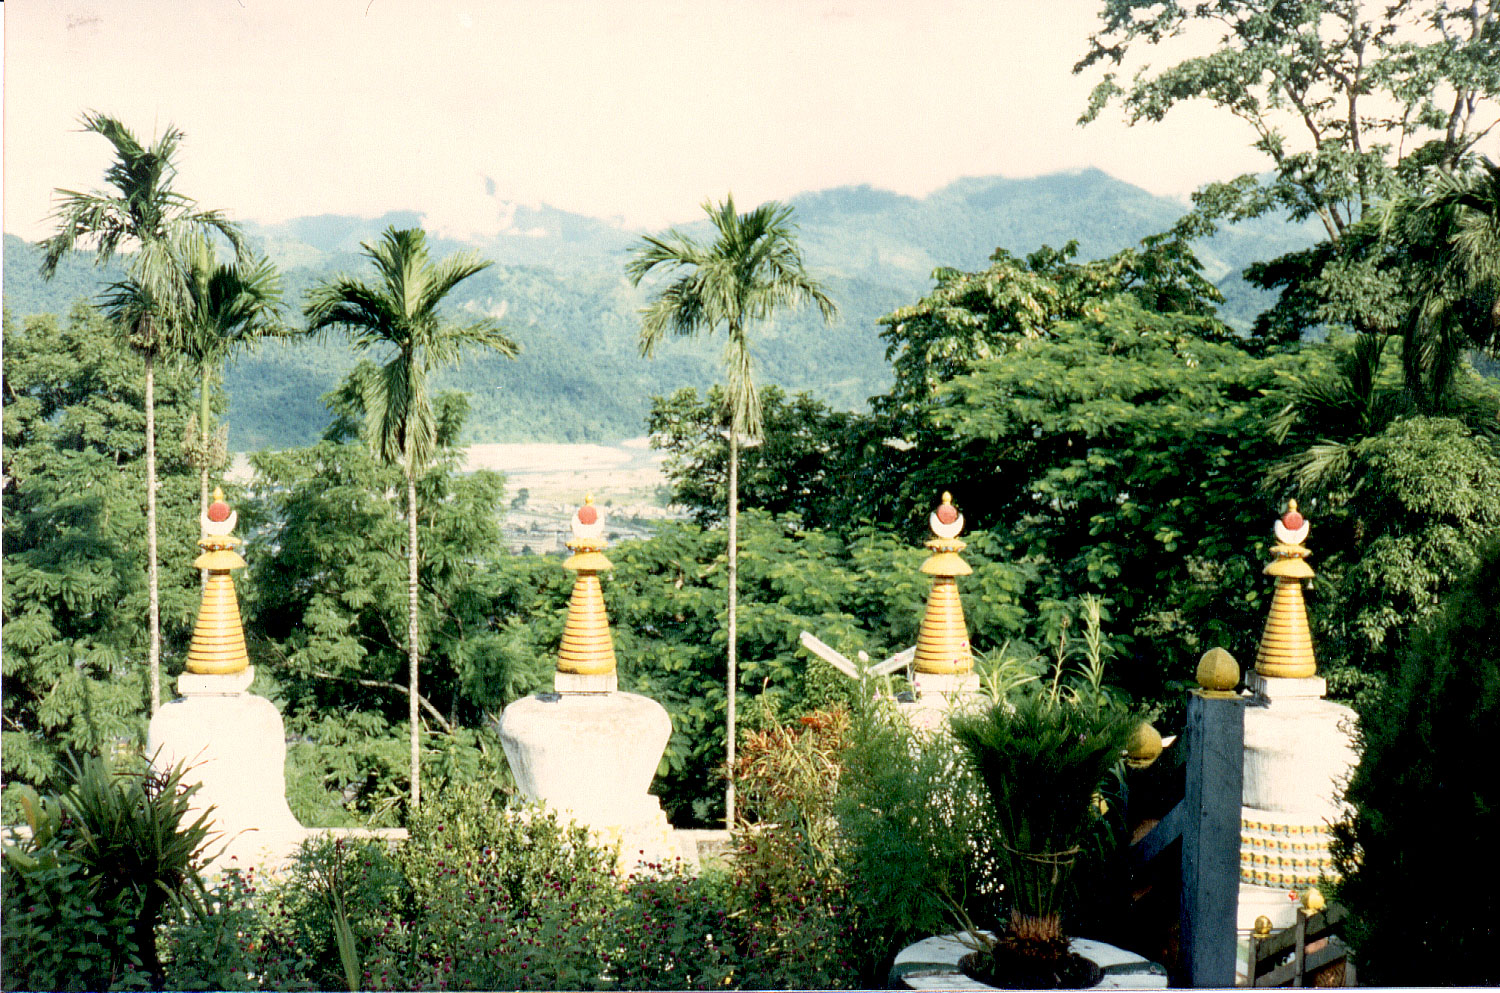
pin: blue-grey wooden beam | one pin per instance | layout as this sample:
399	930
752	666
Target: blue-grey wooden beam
1160	838
1211	836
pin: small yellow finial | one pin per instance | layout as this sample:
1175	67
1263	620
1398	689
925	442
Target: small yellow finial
1312	901
1144	746
218	645
943	641
1262	927
587	647
1218	673
588	500
1285	649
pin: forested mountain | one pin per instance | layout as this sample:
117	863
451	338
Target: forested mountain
559	286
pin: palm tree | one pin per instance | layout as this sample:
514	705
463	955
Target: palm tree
233	305
142	212
1449	242
399	313
752	268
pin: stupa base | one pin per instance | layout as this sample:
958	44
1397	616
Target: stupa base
234	747
590	757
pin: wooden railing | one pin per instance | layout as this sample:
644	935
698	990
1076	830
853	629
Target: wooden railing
1314	948
1202	832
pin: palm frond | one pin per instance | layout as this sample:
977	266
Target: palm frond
751	269
399	311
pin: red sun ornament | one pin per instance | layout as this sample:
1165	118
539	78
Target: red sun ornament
587	514
947	513
218	511
1292	521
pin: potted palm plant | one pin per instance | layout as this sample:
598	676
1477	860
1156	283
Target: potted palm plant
1043	757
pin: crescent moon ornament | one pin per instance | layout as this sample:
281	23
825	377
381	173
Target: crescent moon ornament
1291	528
588	521
219	519
946	521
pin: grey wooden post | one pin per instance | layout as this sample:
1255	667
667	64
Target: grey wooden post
1211	836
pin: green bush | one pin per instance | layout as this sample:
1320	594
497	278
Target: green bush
1421	873
342	906
214	949
110	853
505	897
917	838
789	898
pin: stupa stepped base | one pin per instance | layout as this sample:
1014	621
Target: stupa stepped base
590	757
234	745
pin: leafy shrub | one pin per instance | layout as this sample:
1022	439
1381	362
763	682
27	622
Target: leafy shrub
915	825
672	932
342	905
789	896
1413	920
109	854
505	897
214	949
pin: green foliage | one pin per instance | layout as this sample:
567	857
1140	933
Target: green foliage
1352	105
1121	454
334	885
109	853
213	948
789	893
970	317
1413	920
802	467
916	826
75	593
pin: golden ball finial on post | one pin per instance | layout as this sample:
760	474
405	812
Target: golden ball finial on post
1218	673
1144	746
1312	901
1262	929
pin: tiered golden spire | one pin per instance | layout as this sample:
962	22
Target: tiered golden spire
1286	645
943	642
587	646
218	646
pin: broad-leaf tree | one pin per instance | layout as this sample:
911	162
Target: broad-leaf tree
1352	104
75	580
752	268
142	213
398	315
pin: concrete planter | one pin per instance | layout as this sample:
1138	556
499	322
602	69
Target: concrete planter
933	964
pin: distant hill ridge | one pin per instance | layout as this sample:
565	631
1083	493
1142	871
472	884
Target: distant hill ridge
559	286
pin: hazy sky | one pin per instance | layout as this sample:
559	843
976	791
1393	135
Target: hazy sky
633	110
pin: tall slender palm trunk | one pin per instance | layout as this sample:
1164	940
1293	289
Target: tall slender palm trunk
411	627
203	469
734	578
154	594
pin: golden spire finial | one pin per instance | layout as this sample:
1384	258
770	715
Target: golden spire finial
1286	644
943	641
587	647
218	646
